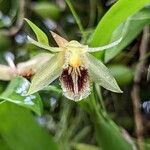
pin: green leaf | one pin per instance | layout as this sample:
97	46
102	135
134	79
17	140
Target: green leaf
147	144
20	131
109	136
82	146
116	15
47	10
122	74
3	145
16	93
134	27
41	36
5	42
52	88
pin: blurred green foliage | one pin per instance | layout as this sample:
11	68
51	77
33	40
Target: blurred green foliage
20	131
16	93
47	10
93	123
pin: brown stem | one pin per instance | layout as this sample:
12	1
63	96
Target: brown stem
135	93
19	22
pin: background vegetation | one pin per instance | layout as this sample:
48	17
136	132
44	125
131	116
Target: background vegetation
105	120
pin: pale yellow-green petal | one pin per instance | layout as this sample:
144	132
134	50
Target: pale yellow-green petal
6	73
32	65
100	74
48	73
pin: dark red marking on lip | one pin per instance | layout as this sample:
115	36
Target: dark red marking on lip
82	79
67	80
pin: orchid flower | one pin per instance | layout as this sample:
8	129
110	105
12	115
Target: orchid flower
25	69
73	64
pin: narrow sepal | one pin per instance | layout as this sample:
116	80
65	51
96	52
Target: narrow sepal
96	49
58	39
51	49
100	74
47	74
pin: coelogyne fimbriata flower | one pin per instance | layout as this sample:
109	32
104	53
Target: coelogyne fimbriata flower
73	64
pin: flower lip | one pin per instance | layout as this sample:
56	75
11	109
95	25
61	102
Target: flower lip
75	83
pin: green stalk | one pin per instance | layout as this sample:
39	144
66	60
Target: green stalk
108	134
76	17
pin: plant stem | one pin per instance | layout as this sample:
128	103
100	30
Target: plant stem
135	93
76	17
99	93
